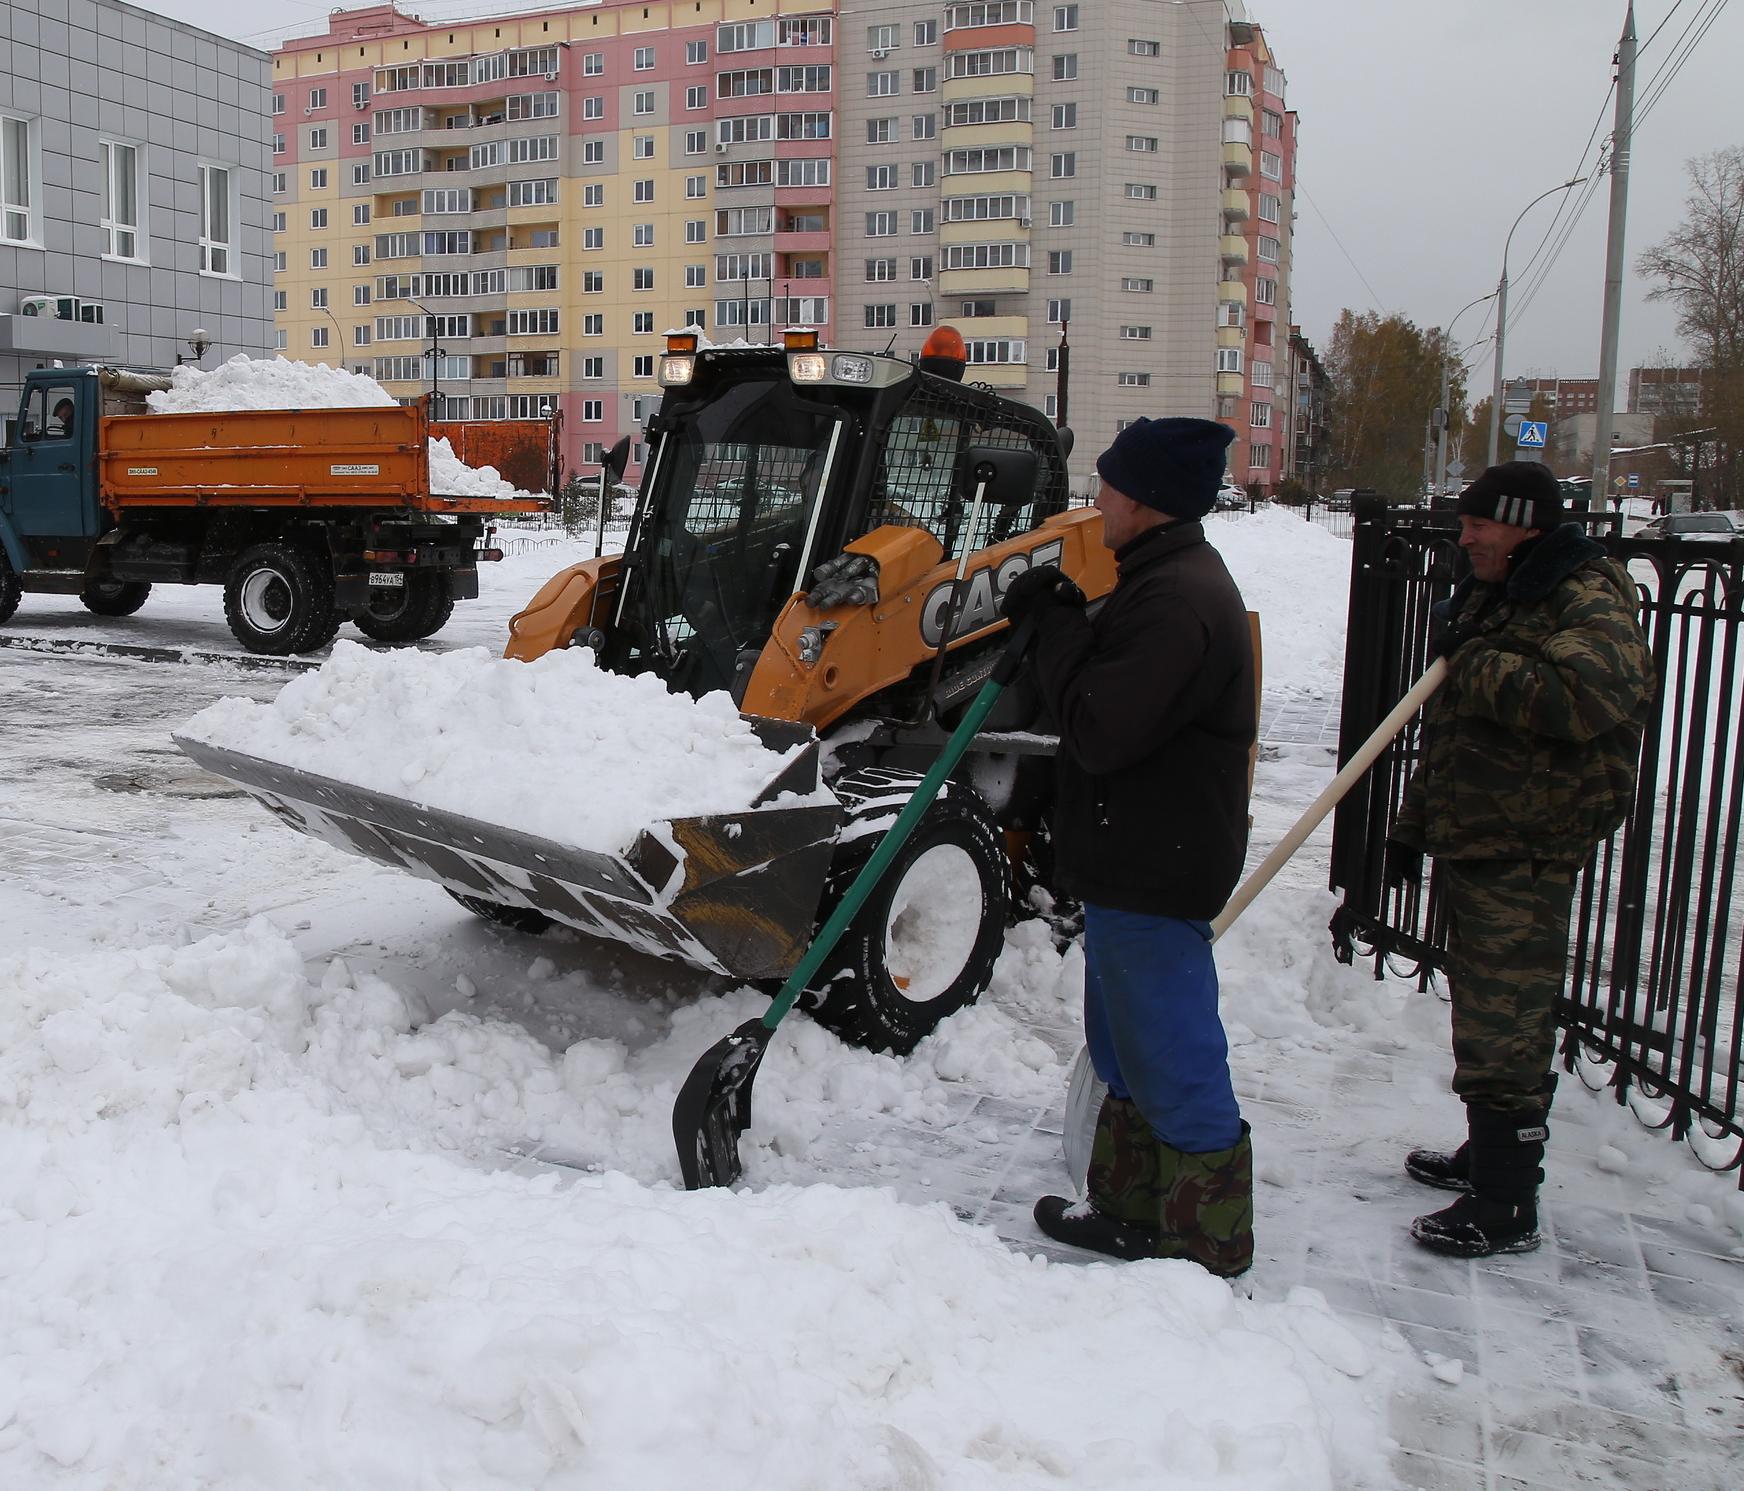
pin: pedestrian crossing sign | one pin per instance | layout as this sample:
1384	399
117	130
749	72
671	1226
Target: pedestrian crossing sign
1532	434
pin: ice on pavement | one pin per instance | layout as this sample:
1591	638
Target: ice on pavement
254	1264
557	747
246	382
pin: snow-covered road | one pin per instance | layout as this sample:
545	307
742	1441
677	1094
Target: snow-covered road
257	1229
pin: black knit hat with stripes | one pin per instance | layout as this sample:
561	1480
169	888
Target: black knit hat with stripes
1523	493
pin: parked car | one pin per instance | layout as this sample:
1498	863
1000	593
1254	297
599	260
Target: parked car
1231	498
1713	528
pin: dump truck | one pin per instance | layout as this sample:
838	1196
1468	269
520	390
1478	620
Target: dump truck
307	517
827	535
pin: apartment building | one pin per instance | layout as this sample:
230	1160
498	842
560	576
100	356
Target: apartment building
133	159
509	212
1675	393
1564	397
1306	413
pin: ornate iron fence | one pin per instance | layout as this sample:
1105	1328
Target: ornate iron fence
1654	1002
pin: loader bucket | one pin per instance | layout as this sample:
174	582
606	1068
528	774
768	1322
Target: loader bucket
732	893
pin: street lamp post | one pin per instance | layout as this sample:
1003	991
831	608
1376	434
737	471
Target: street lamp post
1446	389
435	355
1502	316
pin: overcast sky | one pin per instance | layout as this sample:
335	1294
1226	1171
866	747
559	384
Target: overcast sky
1427	125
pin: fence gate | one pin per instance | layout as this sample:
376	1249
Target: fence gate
1653	1007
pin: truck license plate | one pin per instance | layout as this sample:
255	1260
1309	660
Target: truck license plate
392	578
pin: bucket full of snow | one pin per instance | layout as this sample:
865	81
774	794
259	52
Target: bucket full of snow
676	826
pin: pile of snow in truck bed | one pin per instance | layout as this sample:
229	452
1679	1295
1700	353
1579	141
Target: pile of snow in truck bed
557	747
278	383
223	1270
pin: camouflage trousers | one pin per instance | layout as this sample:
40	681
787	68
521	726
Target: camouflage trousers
1507	956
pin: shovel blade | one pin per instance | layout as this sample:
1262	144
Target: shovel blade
714	1107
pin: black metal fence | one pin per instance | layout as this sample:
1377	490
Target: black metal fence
1654	1002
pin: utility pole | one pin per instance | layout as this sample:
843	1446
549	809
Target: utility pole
1620	146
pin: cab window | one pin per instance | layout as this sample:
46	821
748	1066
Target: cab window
49	413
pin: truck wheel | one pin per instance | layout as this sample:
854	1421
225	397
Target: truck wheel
401	613
275	597
10	589
925	943
114	597
440	609
516	918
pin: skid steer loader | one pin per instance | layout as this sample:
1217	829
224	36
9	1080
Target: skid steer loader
826	535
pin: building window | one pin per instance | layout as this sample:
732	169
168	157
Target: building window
881	39
281	340
1271	124
318	258
317	217
217	214
878	317
1259	457
1139	240
1058	311
1261	416
921	220
1063	165
1229	359
922	173
1065	67
1135	333
278	222
1271	166
643	367
642	279
1260	375
695	276
317	99
1143	95
1141	191
593	325
926	79
642	235
360	215
593	410
696	97
1133	380
1060	261
318	179
695	187
318	137
920	314
593	107
1138	48
643	191
120	167
644	61
1238	84
593	152
880	269
1062	214
883	84
695	52
1269	207
880	224
318	298
926	33
696	142
926	126
278	144
1065	116
1135	285
880	131
644	103
642	323
360	134
696	230
593	194
593	238
1267	248
1142	144
1266	290
318	336
1065	18
359	295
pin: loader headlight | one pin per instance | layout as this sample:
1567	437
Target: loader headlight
808	367
675	372
848	368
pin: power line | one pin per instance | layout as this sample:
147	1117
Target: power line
1681	60
1567	197
1302	192
1657	29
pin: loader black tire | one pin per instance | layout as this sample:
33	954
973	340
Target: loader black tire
114	597
11	590
516	918
277	597
948	889
419	608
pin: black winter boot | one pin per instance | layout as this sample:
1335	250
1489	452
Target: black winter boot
1446	1172
1078	1224
1501	1213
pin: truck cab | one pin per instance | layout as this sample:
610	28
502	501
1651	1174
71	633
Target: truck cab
51	514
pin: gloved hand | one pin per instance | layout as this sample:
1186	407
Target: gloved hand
1044	585
1401	866
1448	634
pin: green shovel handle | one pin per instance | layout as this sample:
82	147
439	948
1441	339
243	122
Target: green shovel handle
1004	670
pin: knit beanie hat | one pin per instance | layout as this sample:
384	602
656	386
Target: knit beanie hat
1172	465
1522	493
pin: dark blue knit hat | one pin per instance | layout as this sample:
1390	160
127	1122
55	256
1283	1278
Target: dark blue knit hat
1172	465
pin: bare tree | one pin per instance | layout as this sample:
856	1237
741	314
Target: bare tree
1699	267
1385	377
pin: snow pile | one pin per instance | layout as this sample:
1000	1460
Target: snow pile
216	1274
1297	576
277	383
452	477
266	383
557	747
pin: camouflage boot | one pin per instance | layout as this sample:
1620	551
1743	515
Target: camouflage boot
1207	1208
1123	1200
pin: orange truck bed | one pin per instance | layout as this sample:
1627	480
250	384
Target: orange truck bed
374	458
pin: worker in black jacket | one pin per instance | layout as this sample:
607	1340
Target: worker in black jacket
1154	699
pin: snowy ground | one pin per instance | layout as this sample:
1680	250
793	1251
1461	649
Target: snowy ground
258	1229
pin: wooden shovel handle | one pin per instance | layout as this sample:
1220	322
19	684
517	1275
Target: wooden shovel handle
1433	677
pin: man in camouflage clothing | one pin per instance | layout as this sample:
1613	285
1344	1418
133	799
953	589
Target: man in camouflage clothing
1530	753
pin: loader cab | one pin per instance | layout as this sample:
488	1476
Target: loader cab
48	494
765	462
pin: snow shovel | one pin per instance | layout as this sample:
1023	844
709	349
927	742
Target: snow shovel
714	1105
1084	1095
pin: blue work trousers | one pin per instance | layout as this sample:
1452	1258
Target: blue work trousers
1151	1022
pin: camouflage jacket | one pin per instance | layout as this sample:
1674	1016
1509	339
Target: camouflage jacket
1530	747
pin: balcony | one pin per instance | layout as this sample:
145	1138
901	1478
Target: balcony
1235	204
1232	384
1237	158
797	241
1232	292
1005	280
1236	106
998	374
1232	248
1231	336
